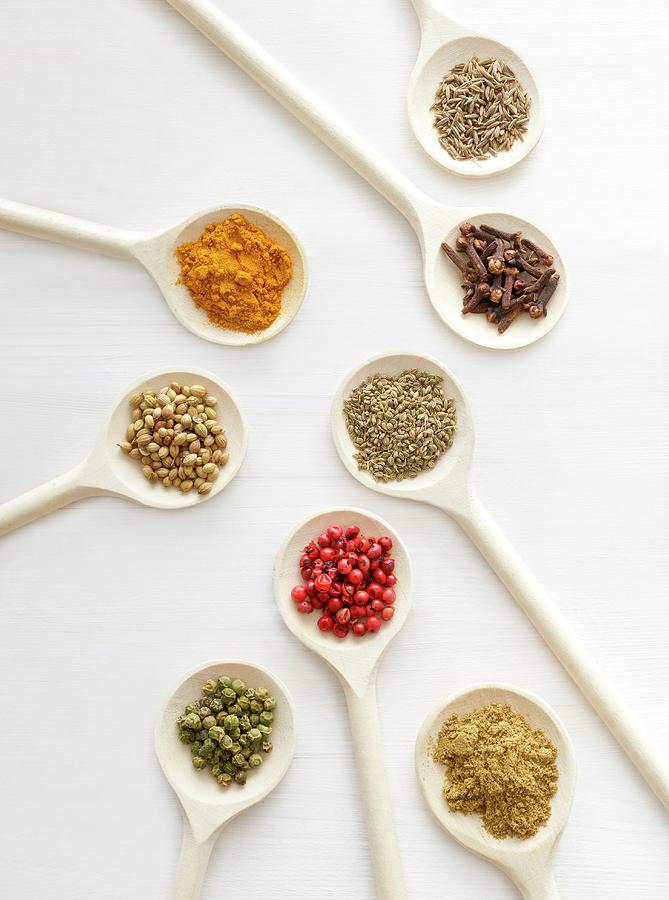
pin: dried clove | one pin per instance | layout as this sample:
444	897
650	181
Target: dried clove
503	274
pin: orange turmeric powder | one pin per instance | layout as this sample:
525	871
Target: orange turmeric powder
236	273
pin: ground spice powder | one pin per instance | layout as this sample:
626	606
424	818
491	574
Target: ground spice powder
236	273
499	767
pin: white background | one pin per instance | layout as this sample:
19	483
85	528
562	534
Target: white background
119	112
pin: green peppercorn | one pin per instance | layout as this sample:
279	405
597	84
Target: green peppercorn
235	748
186	736
209	722
238	760
243	703
229	695
231	723
216	705
235	710
228	768
256	706
255	760
202	735
224	779
262	693
267	746
270	703
254	718
196	747
238	686
199	763
226	741
250	694
234	734
243	740
192	708
216	733
264	729
266	718
192	721
224	681
216	770
245	723
209	687
204	711
240	777
254	735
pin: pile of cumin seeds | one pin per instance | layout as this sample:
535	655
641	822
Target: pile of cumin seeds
480	109
400	425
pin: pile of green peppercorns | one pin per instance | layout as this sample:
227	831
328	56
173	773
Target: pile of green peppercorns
227	728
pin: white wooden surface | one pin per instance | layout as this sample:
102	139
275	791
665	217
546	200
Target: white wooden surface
118	111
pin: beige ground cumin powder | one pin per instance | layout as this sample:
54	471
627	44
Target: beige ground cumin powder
499	767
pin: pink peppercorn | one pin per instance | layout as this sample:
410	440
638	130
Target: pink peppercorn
323	540
379	577
355	576
359	628
340	630
299	593
388	596
386	544
325	623
373	623
387	613
305	607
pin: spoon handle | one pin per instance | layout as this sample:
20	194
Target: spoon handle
192	865
539	885
44	499
367	742
306	106
565	644
53	226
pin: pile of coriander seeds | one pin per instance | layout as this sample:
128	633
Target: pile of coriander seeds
176	438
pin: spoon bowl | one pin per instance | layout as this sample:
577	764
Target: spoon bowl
207	807
444	45
157	253
454	465
526	862
354	659
107	470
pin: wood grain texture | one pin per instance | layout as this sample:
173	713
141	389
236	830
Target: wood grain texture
119	112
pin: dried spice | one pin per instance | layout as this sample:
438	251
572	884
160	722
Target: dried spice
480	109
351	578
175	437
228	728
400	424
236	273
499	767
504	274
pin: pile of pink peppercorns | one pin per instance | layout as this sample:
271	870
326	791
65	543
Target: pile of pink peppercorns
351	578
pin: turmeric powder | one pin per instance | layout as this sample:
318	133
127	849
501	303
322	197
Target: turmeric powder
236	273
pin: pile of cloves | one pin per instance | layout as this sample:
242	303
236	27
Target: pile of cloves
504	274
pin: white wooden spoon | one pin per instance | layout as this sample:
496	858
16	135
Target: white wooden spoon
444	44
355	661
528	863
156	252
432	221
206	807
110	471
449	487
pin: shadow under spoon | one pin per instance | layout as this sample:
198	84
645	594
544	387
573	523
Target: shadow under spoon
528	863
207	808
432	221
449	487
355	660
156	252
107	470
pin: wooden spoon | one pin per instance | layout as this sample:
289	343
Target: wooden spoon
207	808
355	661
156	252
433	222
449	487
110	471
528	863
443	45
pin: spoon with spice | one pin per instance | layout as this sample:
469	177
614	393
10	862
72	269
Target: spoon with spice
355	660
204	298
433	222
111	470
531	749
434	464
489	103
207	808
